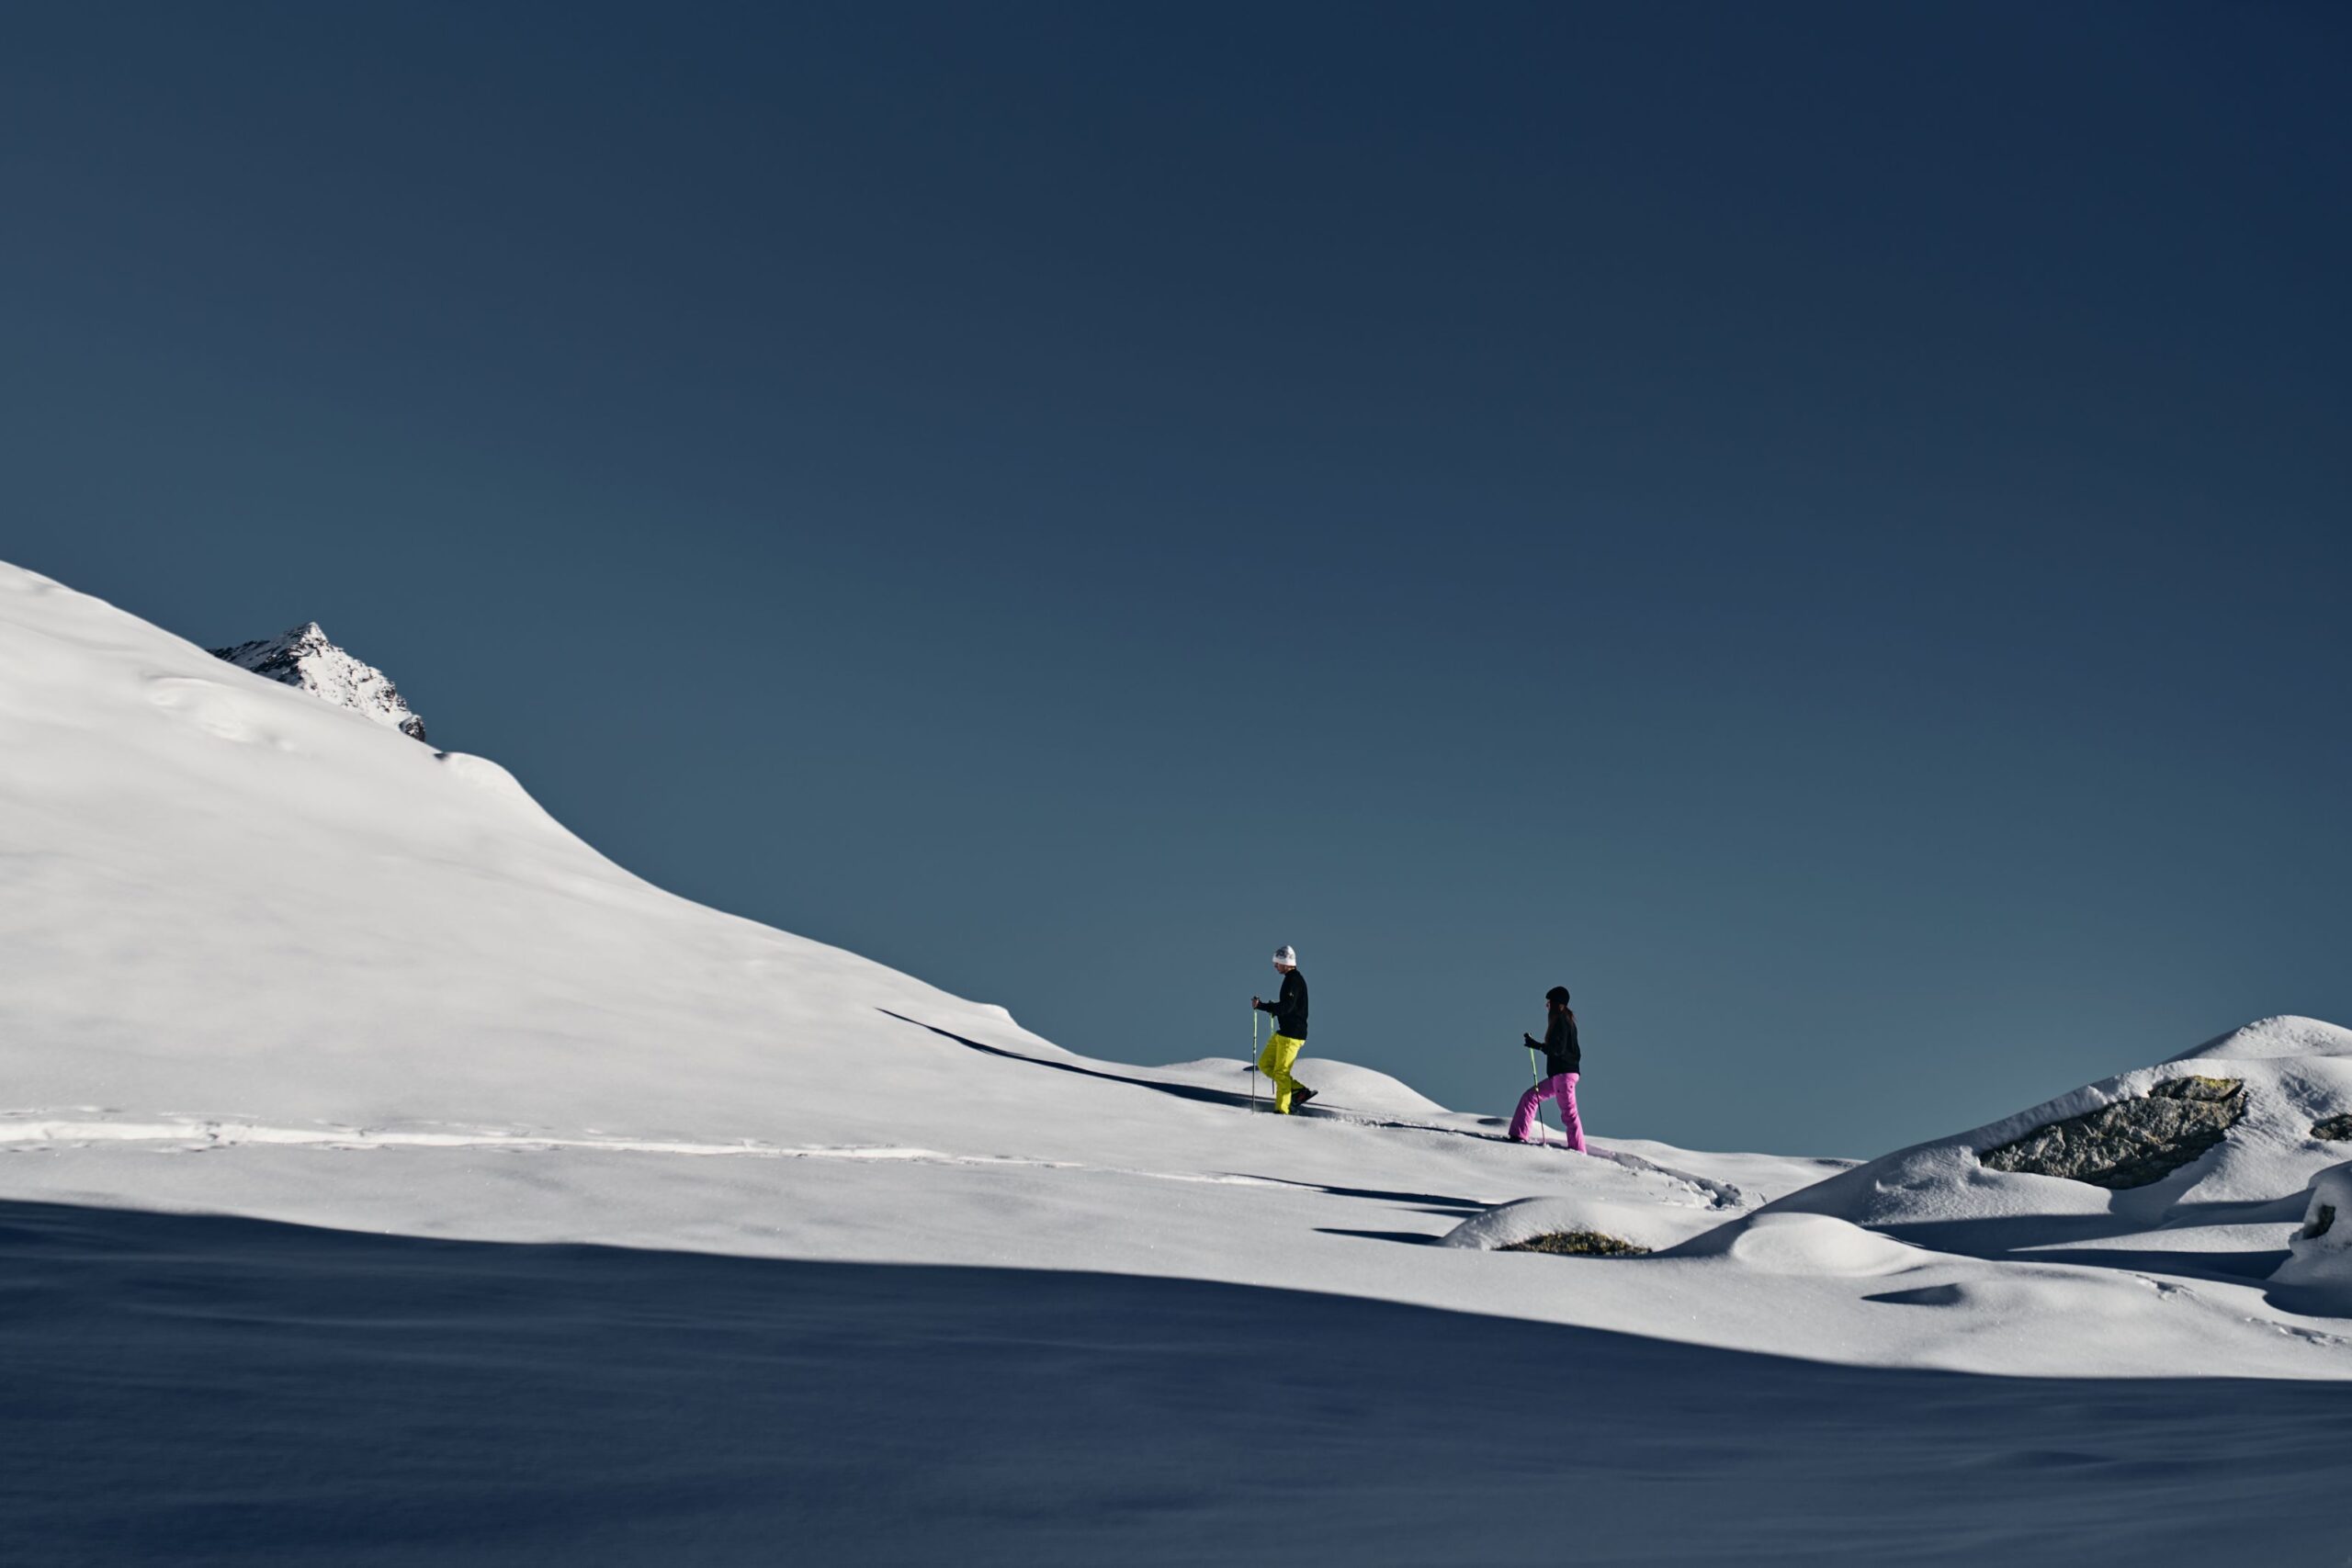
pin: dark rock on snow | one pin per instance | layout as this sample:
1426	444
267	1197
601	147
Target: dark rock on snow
2133	1141
1578	1243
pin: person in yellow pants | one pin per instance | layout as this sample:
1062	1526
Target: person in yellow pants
1290	1032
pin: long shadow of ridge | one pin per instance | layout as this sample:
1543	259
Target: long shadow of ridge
1229	1097
1181	1091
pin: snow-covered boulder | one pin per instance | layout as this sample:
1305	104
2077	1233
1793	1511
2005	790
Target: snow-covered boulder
2229	1122
2318	1270
1632	1203
1639	1222
303	657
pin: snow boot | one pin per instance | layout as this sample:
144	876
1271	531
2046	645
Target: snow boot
1299	1095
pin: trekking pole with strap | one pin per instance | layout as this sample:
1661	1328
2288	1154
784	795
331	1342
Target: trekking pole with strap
1543	1128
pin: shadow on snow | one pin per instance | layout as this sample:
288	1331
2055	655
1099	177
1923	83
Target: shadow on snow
205	1390
1233	1099
2068	1238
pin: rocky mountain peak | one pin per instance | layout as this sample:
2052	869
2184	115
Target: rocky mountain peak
303	656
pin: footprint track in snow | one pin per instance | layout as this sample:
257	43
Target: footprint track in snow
29	1131
23	1131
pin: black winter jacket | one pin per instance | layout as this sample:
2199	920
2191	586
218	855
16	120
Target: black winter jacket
1561	1052
1289	1007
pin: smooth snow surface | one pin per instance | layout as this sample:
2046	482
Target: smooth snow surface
1807	1245
264	957
2275	1037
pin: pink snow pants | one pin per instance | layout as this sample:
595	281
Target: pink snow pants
1561	1087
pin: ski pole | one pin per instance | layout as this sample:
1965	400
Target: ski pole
1543	1128
1253	1061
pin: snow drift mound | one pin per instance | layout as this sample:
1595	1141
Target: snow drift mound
2275	1037
1800	1243
1339	1086
2318	1270
2244	1119
1620	1197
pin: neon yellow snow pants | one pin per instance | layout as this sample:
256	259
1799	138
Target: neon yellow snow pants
1274	1061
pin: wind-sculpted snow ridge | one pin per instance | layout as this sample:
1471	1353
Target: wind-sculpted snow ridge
303	657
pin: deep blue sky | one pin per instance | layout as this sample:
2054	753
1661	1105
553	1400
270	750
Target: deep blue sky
1823	527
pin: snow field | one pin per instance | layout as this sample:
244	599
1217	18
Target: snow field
310	935
696	1225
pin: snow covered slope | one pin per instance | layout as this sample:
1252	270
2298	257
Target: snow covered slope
311	1038
233	902
303	657
240	918
379	987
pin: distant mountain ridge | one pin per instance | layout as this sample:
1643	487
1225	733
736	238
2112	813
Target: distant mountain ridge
304	657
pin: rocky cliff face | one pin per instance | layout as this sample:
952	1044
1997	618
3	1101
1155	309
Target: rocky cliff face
303	656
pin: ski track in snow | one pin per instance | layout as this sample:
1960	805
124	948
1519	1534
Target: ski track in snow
23	1131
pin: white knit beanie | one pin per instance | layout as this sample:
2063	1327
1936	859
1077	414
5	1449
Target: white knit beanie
1286	954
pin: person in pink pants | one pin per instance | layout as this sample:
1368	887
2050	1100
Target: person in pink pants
1563	1060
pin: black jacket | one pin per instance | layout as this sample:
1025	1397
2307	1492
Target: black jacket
1289	1007
1561	1052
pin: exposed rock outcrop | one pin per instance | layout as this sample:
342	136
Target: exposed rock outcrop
1578	1243
2263	1086
302	657
2336	1129
2133	1141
